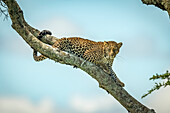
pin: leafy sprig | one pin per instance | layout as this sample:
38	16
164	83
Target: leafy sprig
157	86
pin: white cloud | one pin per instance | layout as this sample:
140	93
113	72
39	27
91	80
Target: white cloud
61	26
169	70
159	100
23	105
83	104
78	104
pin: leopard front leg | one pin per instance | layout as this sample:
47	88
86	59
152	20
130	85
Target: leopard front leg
108	69
116	79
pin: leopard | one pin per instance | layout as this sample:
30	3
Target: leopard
101	54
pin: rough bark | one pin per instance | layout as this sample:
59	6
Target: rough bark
162	4
106	82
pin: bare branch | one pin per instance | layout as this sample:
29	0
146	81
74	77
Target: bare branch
3	10
106	82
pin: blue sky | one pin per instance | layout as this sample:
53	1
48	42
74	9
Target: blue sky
60	88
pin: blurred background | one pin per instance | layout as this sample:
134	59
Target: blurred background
27	86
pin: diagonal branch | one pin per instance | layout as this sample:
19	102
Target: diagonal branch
106	82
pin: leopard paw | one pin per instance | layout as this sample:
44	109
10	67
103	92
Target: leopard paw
118	82
43	33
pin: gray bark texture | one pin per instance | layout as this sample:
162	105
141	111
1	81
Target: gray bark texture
162	4
105	81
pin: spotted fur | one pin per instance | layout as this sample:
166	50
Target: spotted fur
100	53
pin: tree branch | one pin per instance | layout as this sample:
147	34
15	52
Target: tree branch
106	82
162	4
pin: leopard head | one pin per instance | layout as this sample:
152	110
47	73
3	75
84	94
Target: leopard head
111	49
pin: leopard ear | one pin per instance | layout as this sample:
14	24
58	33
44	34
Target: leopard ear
105	43
119	44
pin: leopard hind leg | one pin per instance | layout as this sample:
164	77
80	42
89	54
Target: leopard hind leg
38	58
41	57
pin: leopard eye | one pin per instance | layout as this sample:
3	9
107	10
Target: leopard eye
115	47
116	51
